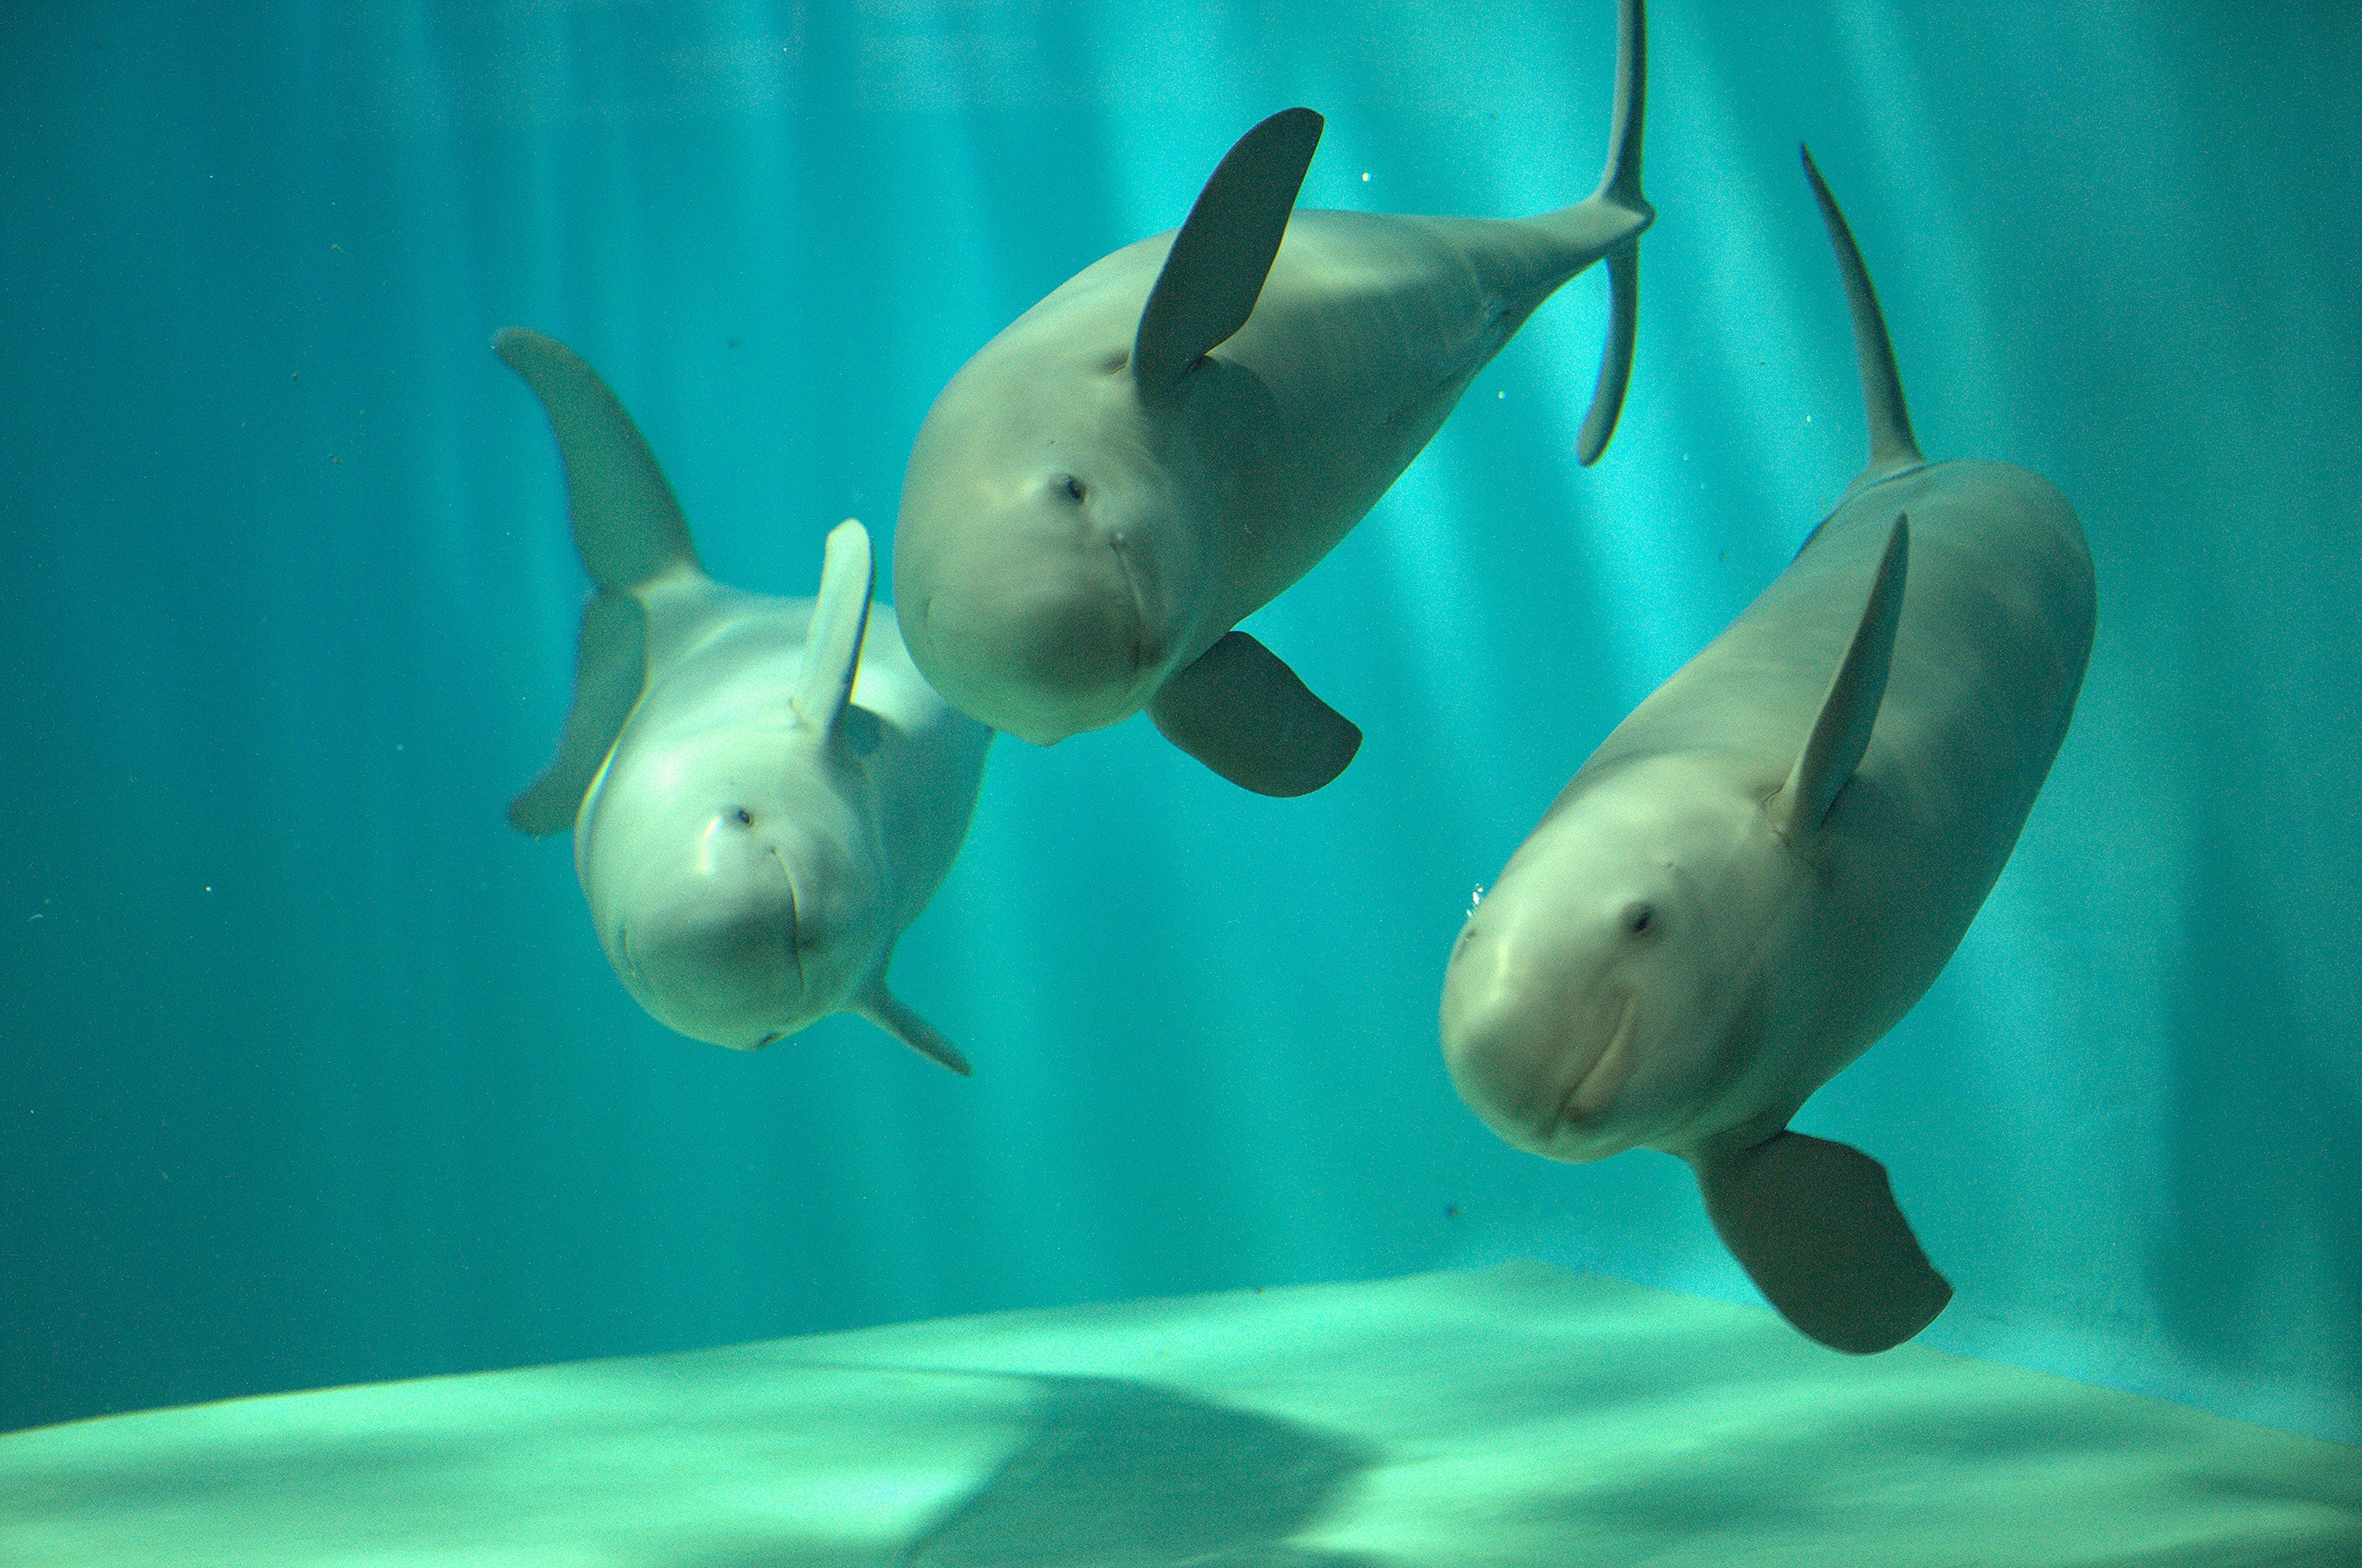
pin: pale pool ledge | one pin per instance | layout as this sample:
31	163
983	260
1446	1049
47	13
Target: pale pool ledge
1518	1416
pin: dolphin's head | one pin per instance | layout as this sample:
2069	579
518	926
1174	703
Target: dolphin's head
736	892
1605	995
1046	572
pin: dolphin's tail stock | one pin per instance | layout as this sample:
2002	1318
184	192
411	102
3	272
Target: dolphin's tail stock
1619	195
1893	451
631	535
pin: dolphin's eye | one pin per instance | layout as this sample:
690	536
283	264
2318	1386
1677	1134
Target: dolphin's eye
744	817
1639	918
1073	488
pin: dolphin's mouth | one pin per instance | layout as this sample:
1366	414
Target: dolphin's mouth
1597	1088
795	927
1147	650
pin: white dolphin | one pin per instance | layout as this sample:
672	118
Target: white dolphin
1183	429
1765	865
764	792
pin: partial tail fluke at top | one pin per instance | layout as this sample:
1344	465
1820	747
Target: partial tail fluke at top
1891	448
629	532
1620	186
627	527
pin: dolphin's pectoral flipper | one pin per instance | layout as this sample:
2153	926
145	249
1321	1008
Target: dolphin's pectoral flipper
610	660
1815	1227
1841	734
1214	272
1244	713
884	1009
849	577
627	527
1619	187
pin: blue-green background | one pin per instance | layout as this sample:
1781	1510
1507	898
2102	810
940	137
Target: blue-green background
312	1072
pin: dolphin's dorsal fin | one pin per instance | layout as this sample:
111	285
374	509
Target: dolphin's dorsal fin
1619	186
1891	448
1816	1226
1244	713
884	1009
630	533
1214	271
627	527
849	576
1841	732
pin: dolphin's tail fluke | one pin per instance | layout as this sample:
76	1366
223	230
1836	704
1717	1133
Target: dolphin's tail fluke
630	533
1892	446
628	527
1619	188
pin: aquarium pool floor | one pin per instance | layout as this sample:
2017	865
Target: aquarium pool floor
1518	1416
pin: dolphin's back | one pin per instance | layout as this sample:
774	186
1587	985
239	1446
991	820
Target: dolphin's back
1990	649
1369	328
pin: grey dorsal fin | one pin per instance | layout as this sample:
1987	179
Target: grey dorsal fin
884	1009
609	661
1214	271
849	576
1619	186
1841	731
1892	446
1244	713
627	527
1816	1226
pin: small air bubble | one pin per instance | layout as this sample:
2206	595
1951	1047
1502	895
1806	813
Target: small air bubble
1365	176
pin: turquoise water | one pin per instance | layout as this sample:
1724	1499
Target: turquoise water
314	1072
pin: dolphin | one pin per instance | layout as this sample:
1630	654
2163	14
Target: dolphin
764	792
1765	865
1180	431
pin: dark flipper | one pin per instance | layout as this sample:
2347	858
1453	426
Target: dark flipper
1214	271
1815	1225
888	1012
1244	714
609	664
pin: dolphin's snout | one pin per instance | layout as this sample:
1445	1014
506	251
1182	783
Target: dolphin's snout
1529	1053
1062	649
